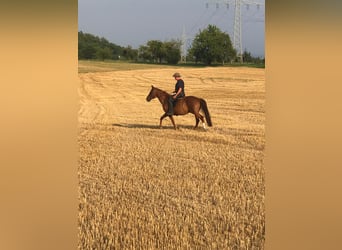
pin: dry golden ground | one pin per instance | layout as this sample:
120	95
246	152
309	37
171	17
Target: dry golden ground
141	187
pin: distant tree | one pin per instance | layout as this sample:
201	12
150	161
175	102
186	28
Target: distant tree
172	51
130	53
86	48
94	47
86	52
156	49
104	53
144	53
160	52
212	45
247	57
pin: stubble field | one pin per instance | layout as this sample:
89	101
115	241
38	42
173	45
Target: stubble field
141	187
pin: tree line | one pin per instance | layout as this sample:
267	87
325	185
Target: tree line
209	46
155	51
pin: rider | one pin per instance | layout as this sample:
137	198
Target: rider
178	93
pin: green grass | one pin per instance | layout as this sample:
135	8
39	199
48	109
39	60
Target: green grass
89	66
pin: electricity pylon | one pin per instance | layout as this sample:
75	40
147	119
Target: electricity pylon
237	37
183	46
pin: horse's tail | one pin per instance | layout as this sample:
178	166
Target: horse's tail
206	112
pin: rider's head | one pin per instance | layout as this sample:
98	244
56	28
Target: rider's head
176	75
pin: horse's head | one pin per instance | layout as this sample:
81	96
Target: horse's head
152	94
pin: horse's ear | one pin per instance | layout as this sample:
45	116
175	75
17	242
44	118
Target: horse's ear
152	86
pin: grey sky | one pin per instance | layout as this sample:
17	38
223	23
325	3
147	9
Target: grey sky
134	22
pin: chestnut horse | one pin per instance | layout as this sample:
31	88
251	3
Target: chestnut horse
183	106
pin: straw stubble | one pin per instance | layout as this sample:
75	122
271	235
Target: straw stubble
141	187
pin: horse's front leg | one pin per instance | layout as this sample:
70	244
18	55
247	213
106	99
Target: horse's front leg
173	121
161	119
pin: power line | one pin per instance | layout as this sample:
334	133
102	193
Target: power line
199	19
237	37
211	16
230	5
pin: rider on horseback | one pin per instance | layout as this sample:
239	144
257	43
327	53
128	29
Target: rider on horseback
178	93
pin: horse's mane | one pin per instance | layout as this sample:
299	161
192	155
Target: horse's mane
163	91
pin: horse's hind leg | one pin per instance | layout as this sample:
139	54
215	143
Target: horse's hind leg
197	121
198	117
203	123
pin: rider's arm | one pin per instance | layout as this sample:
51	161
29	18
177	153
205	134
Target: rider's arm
178	92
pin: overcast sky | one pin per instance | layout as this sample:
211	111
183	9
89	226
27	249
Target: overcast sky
134	22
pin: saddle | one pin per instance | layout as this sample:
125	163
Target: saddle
177	99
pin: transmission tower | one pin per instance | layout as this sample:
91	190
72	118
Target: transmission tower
183	46
237	37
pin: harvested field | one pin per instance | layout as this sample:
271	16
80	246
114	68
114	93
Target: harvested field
142	187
